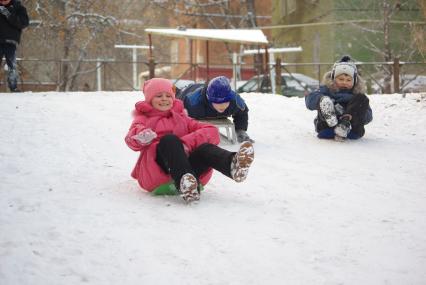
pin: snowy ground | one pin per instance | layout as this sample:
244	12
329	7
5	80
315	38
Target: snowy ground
310	212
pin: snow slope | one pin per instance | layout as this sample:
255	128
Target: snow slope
310	212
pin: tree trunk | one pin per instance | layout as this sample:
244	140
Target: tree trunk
65	66
387	48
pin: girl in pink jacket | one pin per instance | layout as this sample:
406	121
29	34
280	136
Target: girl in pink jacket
176	148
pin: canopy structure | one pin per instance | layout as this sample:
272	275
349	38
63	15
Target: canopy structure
245	36
242	36
272	50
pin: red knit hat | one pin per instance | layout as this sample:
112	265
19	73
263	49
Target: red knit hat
157	85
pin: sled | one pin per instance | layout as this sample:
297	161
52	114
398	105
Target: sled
224	124
169	189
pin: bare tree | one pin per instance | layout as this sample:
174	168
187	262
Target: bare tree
221	14
74	31
77	30
419	32
77	25
379	37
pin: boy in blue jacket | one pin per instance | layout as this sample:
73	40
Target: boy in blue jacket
342	107
216	100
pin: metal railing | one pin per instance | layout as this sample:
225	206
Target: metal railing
111	75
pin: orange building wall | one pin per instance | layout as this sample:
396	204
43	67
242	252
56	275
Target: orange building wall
220	54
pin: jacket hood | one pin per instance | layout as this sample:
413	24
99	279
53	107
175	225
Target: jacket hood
359	88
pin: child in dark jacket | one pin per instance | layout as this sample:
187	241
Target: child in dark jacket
13	19
342	107
216	100
176	148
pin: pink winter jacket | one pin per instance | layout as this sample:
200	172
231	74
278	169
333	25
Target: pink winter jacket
174	121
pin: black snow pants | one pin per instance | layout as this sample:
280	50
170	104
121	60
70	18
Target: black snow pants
357	107
172	159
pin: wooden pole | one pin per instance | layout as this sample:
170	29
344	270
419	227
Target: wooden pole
266	60
278	89
258	63
191	60
151	62
207	62
396	71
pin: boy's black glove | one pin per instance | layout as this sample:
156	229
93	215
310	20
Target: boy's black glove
4	11
242	136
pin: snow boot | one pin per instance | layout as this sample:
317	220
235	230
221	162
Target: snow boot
189	188
326	107
338	138
241	161
344	127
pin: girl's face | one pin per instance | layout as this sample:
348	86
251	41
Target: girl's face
4	2
221	107
344	81
162	101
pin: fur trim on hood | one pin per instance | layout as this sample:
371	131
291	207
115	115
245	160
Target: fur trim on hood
359	88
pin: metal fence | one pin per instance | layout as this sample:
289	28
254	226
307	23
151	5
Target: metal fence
111	75
92	75
380	77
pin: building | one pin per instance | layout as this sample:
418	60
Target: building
223	15
337	27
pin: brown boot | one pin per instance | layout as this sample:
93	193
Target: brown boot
241	162
189	188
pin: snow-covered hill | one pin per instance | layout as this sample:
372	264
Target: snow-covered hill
310	212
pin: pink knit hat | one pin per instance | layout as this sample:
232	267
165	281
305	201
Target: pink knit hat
156	85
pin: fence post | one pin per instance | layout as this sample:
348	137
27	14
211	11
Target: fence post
396	72
151	62
258	63
234	69
151	65
99	74
278	89
319	72
58	80
272	74
135	68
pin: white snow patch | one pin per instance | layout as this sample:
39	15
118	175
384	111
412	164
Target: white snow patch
310	212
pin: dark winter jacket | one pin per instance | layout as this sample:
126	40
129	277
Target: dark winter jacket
12	26
198	107
340	97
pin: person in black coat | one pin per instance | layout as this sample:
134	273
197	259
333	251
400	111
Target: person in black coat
342	106
216	100
13	19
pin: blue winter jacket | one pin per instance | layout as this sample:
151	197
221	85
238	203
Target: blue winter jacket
198	107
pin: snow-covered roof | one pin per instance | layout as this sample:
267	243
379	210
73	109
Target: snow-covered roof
132	46
247	36
273	50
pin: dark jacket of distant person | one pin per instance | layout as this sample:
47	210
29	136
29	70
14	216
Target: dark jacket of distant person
11	27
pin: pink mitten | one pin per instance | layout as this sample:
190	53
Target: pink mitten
145	137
